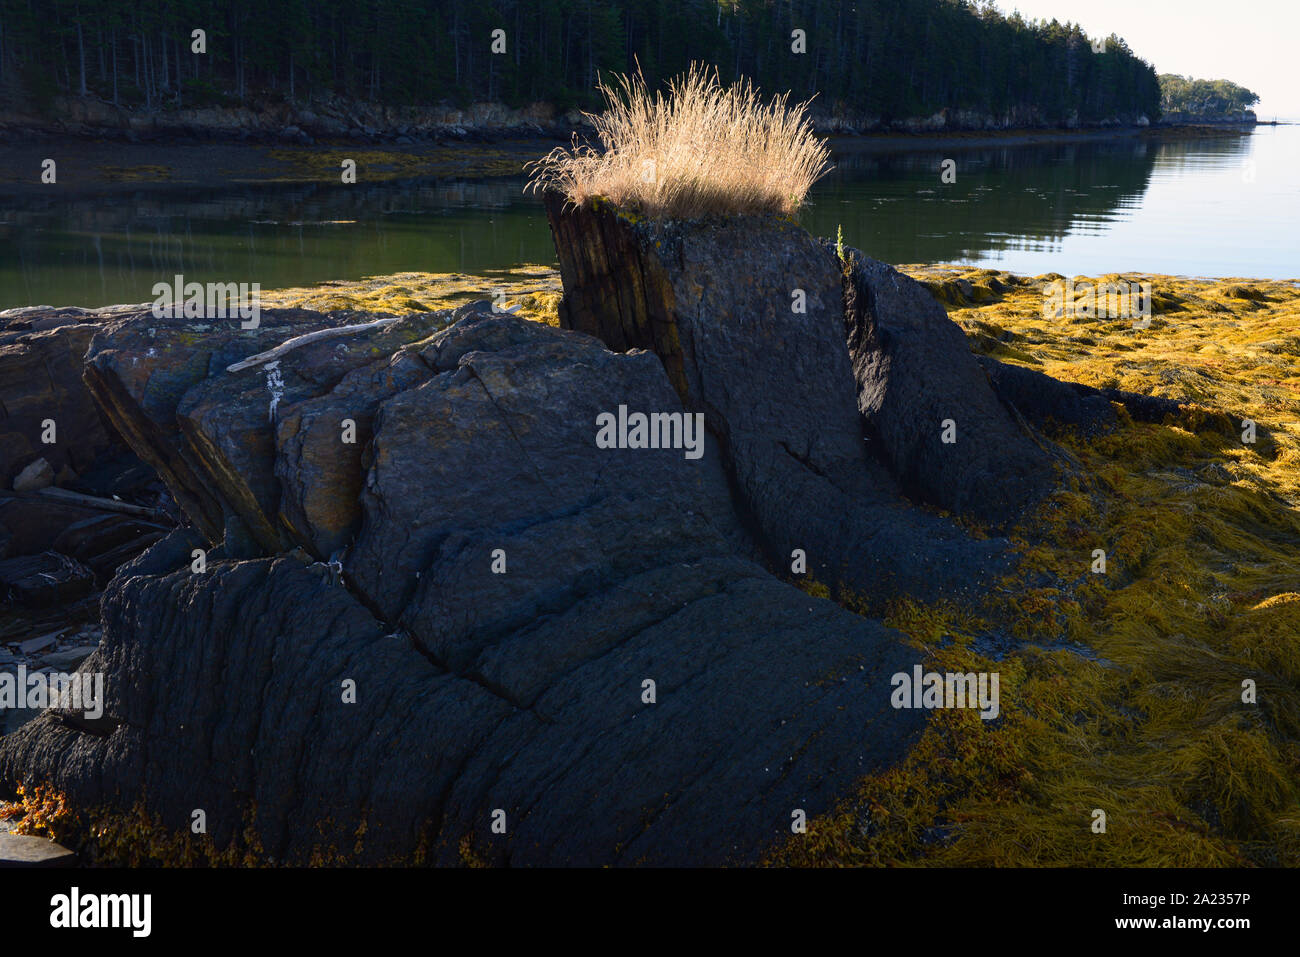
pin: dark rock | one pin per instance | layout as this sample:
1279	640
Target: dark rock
67	659
141	370
40	581
51	430
495	587
1049	403
228	421
916	377
34	523
717	303
33	645
478	691
1053	404
29	402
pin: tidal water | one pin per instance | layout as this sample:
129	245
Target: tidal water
1213	206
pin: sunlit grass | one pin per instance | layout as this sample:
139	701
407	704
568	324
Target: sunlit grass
702	149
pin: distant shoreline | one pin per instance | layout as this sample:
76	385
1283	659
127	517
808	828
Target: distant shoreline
338	121
976	139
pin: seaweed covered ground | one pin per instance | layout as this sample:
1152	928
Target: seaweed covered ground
1121	690
533	291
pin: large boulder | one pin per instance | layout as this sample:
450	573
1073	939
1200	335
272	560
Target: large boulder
210	433
748	317
530	623
42	396
928	406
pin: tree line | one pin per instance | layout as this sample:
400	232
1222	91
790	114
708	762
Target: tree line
1182	94
887	58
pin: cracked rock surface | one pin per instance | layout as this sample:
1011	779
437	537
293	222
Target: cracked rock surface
475	691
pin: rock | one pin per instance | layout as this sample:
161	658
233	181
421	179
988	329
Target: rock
33	645
1053	404
21	850
44	580
1049	403
322	474
98	539
719	304
35	476
32	405
477	690
68	659
445	597
928	405
142	370
11	719
51	431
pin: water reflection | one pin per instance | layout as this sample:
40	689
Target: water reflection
896	207
1131	204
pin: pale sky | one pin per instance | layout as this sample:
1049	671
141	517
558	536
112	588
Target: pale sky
1255	43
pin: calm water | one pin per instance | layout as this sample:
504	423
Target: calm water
1218	206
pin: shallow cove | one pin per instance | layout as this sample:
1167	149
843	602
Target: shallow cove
1211	206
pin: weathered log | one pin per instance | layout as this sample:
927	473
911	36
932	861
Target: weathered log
103	504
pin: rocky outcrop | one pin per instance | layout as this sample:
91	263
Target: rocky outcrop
454	604
211	436
45	412
758	345
928	406
328	117
334	117
1054	404
533	625
1177	118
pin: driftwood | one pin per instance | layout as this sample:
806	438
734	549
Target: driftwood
107	504
297	341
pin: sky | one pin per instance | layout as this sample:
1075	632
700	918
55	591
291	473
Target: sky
1255	43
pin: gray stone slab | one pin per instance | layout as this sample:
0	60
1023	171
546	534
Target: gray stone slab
21	850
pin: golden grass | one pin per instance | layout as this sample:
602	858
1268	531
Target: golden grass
1123	691
701	150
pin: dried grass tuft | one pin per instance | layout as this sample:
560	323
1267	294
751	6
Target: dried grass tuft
701	150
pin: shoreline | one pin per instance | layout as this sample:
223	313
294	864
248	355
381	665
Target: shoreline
536	289
1031	136
105	165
